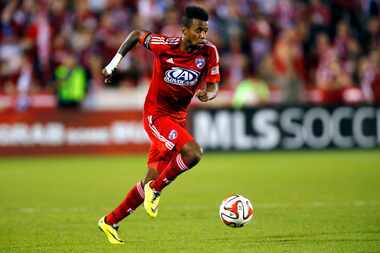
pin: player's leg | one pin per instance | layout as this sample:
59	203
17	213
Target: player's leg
186	153
189	156
150	175
134	198
110	231
159	163
108	223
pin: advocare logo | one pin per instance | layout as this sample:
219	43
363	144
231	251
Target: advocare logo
181	76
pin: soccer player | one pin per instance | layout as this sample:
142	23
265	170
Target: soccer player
181	65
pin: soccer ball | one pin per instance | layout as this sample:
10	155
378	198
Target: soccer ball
236	211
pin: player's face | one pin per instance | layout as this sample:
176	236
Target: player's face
196	34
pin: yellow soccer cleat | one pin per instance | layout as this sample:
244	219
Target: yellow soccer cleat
151	200
110	231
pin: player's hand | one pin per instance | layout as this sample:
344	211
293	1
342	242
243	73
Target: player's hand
108	77
202	95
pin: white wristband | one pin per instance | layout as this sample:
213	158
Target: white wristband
113	64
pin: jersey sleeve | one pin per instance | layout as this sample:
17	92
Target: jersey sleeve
213	74
153	42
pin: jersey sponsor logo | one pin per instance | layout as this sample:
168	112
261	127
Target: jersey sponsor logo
181	76
172	135
200	62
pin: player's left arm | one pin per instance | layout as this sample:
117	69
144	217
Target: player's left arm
212	77
209	93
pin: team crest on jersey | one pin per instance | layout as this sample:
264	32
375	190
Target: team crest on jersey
200	62
181	76
172	135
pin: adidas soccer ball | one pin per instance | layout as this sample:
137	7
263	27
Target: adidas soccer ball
236	211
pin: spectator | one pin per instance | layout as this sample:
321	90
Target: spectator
366	74
287	42
374	58
376	88
287	54
260	40
327	78
319	16
251	91
24	82
235	62
171	20
71	82
285	14
371	36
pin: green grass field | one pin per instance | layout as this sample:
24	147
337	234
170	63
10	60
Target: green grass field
304	202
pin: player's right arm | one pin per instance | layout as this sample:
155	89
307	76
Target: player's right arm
129	43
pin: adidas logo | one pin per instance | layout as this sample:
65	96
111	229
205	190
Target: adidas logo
170	60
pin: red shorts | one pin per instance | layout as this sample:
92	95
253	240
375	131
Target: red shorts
167	138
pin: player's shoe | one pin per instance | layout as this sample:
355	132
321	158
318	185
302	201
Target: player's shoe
151	200
110	231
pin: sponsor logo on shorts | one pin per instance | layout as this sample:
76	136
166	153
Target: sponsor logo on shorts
172	135
181	76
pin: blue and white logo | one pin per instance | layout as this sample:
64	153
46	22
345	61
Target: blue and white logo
200	62
182	77
172	135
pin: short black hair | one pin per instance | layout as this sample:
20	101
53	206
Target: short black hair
194	12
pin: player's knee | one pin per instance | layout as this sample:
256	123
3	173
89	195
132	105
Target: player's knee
191	154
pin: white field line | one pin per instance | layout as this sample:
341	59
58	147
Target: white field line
314	204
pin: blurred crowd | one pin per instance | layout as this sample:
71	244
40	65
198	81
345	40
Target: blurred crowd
272	51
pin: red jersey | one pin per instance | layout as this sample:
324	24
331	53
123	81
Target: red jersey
177	74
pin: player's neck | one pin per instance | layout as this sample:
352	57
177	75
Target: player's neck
187	47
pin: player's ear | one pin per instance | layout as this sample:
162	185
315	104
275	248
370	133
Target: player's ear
184	30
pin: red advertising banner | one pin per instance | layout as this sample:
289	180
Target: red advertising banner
71	132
